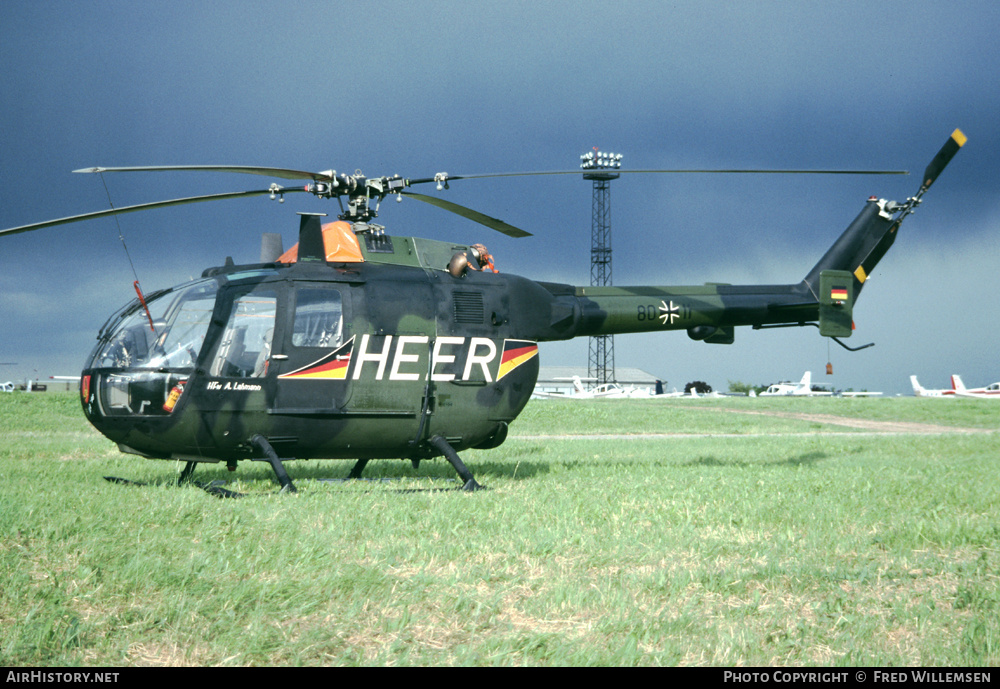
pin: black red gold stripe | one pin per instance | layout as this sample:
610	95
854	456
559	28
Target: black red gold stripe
333	366
515	353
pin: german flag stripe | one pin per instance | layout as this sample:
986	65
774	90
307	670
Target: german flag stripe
839	293
333	366
331	370
515	353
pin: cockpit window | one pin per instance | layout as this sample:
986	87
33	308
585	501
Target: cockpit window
246	341
180	322
146	368
318	318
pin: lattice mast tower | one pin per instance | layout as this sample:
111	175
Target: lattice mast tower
598	167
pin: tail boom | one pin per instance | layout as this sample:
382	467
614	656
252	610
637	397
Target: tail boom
825	297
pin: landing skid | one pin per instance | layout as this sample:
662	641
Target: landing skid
270	456
442	446
212	487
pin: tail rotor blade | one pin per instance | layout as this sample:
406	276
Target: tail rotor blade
943	157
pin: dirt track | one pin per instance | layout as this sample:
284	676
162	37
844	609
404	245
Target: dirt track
866	424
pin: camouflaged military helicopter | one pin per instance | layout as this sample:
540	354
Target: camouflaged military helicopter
355	344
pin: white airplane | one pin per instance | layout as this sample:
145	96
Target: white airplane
677	395
579	391
990	392
920	391
803	388
615	391
612	391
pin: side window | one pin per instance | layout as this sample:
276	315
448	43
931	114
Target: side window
318	317
246	342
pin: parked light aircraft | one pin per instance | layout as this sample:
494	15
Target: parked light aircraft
603	391
802	388
579	391
990	392
613	391
862	393
921	391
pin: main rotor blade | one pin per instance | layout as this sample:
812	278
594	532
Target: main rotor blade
475	216
284	173
142	207
944	157
596	171
287	173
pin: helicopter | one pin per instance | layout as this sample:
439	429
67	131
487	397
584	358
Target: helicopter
356	344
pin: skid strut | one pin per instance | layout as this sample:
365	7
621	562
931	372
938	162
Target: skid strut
358	467
186	473
271	456
440	444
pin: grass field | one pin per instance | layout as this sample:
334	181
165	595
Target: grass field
725	532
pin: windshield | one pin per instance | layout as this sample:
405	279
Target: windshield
180	322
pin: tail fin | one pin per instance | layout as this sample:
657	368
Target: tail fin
806	382
869	237
956	383
918	390
859	248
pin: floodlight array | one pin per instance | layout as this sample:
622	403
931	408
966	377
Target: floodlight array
600	160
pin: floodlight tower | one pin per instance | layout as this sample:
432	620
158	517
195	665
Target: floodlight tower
598	166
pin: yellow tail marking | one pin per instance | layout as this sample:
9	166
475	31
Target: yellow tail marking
959	137
860	274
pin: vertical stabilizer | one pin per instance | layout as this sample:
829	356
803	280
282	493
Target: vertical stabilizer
806	382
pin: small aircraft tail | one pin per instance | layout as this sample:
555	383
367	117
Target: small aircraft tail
918	389
806	382
956	383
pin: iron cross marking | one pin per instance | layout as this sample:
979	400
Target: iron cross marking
669	313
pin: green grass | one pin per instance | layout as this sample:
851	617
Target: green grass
745	540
